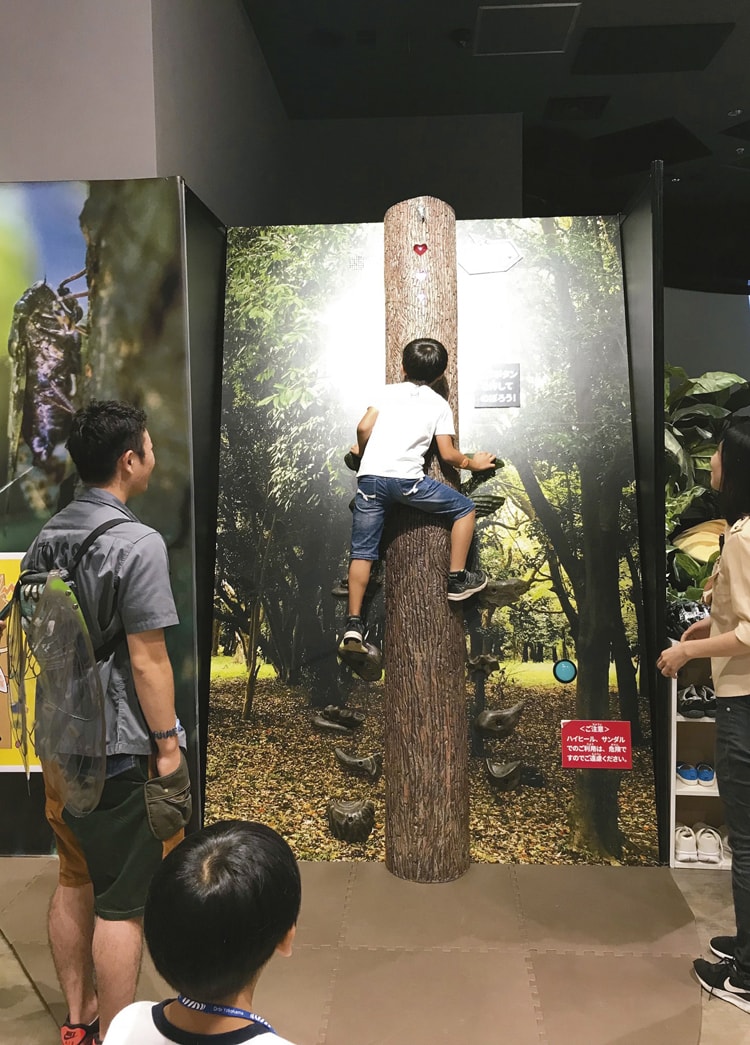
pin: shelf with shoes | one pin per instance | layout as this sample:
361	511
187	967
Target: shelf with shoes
698	834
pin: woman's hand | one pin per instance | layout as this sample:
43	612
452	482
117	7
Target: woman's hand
671	660
700	630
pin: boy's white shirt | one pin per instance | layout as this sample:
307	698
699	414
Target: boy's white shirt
409	417
134	1025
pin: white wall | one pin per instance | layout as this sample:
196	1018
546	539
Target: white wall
707	331
93	89
76	90
219	121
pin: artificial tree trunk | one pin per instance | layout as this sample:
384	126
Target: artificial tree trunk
426	749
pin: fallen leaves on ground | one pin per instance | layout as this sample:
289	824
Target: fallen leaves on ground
279	769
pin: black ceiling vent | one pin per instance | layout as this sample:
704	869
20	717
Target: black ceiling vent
584	107
627	152
524	28
739	130
629	49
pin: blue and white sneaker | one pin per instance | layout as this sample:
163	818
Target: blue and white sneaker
687	774
706	774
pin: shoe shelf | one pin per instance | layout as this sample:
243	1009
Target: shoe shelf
695	791
692	742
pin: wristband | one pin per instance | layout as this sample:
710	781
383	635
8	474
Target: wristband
164	734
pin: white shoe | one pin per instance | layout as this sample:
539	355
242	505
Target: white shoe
685	844
708	841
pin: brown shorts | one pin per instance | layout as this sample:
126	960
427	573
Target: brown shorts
73	870
112	848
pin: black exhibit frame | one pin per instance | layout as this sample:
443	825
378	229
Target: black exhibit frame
205	269
643	280
160	346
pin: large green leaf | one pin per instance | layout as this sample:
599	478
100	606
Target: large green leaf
686	564
700	410
715	381
675	449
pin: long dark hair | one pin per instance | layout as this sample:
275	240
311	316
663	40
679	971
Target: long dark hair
734	448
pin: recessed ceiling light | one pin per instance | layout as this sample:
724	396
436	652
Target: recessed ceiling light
735	112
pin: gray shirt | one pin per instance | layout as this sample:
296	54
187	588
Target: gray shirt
123	585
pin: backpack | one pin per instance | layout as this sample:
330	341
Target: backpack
48	639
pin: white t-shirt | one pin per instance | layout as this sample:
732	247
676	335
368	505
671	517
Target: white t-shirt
144	1023
409	417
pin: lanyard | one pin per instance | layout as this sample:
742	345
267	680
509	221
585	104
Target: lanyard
223	1010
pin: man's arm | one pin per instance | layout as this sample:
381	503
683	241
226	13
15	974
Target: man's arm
450	454
365	427
154	686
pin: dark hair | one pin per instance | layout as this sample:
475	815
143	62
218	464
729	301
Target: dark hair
101	433
734	448
219	905
424	359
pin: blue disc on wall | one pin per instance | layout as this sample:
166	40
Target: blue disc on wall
564	670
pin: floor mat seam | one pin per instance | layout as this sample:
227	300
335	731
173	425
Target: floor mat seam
338	948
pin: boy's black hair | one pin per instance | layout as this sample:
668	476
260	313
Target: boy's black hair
101	433
218	906
734	496
424	359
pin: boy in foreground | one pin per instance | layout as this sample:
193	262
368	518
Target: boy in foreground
392	440
220	905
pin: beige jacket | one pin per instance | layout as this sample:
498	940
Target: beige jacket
730	609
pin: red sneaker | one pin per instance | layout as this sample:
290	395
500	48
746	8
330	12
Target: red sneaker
79	1033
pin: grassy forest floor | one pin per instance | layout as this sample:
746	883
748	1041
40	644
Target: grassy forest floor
279	769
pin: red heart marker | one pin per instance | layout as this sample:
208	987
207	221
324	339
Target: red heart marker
420	248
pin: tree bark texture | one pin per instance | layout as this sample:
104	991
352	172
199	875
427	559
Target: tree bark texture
426	742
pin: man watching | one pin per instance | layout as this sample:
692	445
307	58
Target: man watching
108	857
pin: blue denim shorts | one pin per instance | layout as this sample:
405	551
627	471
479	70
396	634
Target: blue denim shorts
376	494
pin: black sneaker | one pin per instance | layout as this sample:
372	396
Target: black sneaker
690	703
722	980
463	589
708	697
723	946
353	638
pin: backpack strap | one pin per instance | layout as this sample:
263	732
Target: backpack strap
105	651
89	540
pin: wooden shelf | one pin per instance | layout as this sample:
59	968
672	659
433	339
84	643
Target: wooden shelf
692	741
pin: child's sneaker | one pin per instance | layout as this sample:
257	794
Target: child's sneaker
465	583
353	637
80	1033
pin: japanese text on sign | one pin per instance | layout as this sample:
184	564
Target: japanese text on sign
590	744
500	387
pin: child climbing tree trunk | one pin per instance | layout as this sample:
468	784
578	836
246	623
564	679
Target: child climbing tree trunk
426	745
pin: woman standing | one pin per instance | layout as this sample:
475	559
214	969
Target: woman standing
725	638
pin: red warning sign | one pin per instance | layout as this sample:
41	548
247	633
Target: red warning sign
591	744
